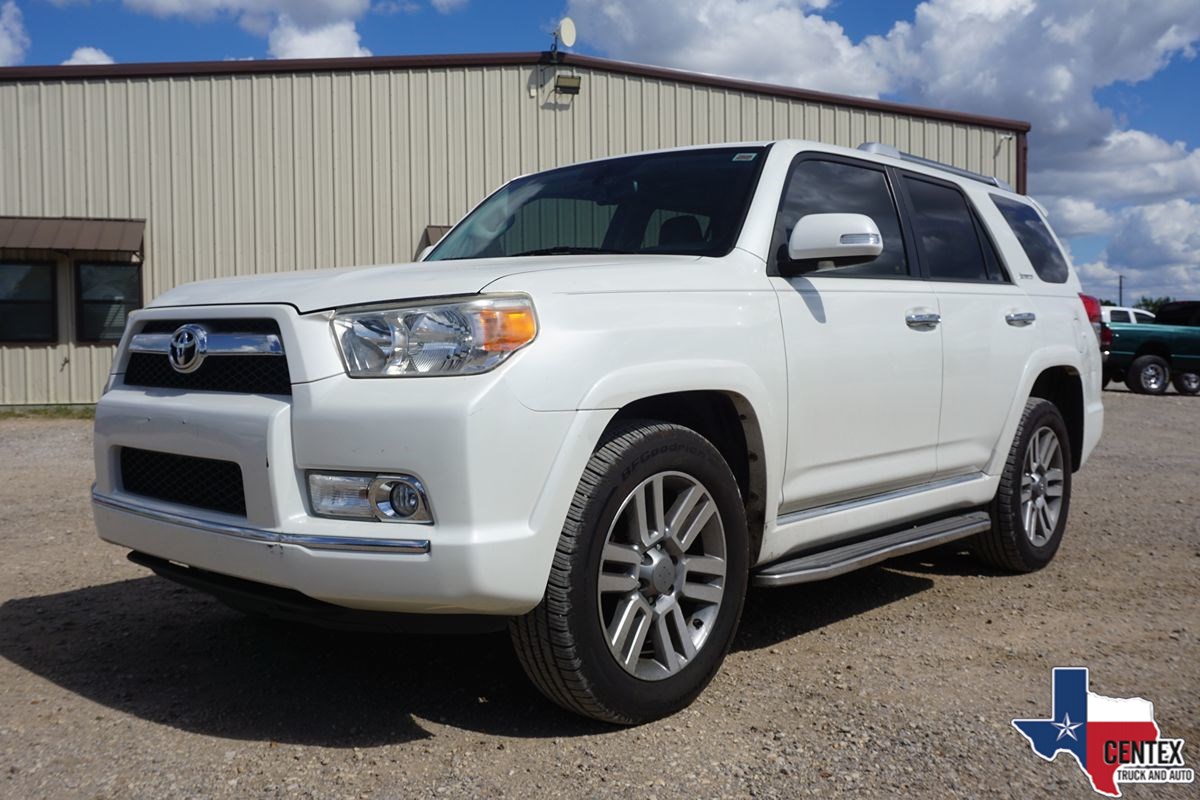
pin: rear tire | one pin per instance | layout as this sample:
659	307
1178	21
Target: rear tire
648	579
1148	375
1029	512
1187	382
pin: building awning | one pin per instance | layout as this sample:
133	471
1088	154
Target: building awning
431	236
72	233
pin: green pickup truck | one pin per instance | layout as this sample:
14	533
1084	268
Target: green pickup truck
1149	356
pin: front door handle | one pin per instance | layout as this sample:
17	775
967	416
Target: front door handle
922	320
1020	318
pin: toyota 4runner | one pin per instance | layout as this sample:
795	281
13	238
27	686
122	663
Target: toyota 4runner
614	396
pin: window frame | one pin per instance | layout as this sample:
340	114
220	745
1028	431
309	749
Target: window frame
987	244
910	254
79	302
55	336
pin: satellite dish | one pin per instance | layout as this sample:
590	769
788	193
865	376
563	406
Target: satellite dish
566	32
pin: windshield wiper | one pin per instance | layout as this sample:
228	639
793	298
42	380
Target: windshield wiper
570	251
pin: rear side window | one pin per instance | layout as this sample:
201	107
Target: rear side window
1119	316
1035	239
946	235
1143	318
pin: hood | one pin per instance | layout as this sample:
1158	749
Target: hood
314	290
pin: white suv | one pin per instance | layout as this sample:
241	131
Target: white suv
614	396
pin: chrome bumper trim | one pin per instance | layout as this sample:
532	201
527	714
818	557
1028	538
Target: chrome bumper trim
353	544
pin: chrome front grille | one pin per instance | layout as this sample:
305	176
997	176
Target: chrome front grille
223	355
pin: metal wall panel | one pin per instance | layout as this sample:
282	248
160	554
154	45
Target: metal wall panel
244	174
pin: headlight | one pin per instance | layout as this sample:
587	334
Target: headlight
453	338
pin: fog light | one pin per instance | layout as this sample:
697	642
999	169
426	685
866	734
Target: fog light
387	498
400	498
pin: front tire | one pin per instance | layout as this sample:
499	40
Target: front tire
1187	382
648	580
1148	375
1029	512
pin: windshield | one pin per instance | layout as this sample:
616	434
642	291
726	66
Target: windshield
686	202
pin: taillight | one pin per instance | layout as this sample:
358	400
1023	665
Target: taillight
1091	306
1106	335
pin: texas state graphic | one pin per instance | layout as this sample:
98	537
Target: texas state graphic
1102	733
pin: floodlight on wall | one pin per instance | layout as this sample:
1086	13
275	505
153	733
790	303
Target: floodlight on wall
567	84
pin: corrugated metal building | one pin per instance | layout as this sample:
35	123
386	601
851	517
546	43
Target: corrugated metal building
118	182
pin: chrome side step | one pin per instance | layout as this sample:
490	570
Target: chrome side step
840	560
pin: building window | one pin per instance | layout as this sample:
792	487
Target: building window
104	296
27	302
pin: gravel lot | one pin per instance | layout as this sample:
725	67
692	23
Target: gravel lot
901	679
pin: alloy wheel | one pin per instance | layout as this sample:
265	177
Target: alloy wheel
662	575
1042	486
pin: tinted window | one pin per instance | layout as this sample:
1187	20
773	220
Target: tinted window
945	231
688	202
1035	239
27	303
1118	316
104	295
831	187
1142	317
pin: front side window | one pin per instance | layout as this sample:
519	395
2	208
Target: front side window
27	302
945	232
1119	316
104	295
834	187
684	202
1035	238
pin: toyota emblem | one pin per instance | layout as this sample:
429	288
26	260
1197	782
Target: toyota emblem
189	345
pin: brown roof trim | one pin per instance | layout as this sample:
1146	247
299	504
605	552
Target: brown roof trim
72	233
180	69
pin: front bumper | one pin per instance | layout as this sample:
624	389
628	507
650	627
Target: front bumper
500	479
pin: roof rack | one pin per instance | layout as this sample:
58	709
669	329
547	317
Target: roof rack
878	148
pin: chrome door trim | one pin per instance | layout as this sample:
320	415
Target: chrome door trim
922	320
355	544
861	502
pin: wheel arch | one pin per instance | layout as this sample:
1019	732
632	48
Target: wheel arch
1063	387
1153	347
729	421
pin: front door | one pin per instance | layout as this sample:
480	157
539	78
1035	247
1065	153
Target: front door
864	370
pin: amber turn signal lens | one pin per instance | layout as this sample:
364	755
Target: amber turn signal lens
506	329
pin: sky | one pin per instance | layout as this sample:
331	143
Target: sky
1111	87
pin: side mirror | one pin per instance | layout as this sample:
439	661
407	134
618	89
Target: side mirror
828	241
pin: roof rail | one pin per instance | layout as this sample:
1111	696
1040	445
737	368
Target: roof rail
881	149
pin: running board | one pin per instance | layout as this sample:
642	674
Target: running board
840	560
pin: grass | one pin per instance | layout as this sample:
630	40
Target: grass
47	412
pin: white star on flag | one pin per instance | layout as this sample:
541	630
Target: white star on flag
1066	727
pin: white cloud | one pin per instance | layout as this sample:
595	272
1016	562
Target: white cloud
448	6
768	40
293	28
1072	216
14	41
89	55
329	41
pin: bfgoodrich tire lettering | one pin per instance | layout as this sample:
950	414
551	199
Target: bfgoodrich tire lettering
1029	512
562	643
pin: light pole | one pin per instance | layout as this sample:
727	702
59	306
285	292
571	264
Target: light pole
1120	290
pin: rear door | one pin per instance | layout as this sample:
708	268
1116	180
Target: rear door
864	385
989	325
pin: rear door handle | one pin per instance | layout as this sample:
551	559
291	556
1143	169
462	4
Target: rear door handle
1020	318
922	320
